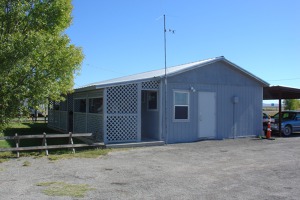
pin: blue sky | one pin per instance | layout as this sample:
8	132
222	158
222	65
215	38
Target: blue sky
124	37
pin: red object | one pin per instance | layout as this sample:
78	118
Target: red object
268	135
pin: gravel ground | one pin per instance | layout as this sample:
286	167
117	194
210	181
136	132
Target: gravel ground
227	169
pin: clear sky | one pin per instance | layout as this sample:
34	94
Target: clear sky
124	37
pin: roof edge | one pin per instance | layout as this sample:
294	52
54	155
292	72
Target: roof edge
264	83
209	61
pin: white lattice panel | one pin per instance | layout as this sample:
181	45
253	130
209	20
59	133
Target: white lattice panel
122	99
122	128
95	126
150	85
50	105
122	113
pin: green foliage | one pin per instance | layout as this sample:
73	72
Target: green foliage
4	144
37	61
65	189
291	104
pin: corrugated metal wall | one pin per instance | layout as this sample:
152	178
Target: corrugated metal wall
233	120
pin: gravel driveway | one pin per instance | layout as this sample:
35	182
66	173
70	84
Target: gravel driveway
227	169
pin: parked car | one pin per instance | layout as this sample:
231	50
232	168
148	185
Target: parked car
266	119
290	122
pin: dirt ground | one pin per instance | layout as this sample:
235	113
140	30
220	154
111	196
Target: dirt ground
224	169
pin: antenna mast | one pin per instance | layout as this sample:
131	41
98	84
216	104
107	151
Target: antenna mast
165	46
166	92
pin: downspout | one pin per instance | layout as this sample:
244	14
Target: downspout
235	101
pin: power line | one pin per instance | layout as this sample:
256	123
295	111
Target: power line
106	69
289	79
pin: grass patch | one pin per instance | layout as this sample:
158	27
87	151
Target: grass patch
94	153
4	144
5	156
58	154
32	128
26	163
28	128
65	189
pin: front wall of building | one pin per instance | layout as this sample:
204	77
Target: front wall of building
239	119
57	116
122	121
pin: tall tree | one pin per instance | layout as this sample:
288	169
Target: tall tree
291	104
37	61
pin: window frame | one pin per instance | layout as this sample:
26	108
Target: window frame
89	105
188	106
148	94
86	103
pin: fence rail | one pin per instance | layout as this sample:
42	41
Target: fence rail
44	145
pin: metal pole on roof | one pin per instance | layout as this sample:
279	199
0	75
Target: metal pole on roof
165	45
165	50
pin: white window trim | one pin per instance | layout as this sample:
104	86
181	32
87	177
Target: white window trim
188	117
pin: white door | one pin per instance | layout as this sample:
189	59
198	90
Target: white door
207	115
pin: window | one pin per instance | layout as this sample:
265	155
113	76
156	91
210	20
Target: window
181	105
80	105
96	105
152	100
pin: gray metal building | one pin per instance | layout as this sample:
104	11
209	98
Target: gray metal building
208	99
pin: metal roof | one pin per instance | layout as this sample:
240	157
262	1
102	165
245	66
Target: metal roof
159	74
281	92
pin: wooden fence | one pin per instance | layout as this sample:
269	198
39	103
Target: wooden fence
44	145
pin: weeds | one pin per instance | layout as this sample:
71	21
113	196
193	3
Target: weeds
94	153
26	163
65	189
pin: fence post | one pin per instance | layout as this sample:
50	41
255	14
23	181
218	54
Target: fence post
17	140
45	143
71	141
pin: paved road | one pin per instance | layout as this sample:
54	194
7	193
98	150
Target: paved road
227	169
